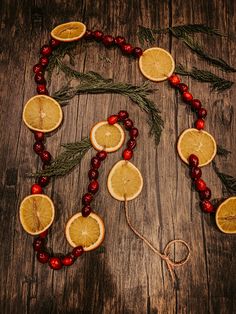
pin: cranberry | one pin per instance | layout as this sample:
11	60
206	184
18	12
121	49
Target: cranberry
112	119
39	78
44	61
87	198
182	87
78	251
108	40
127	154
86	210
119	40
133	133
44	234
43	181
46	157
54	43
46	50
207	206
193	160
42	257
195	172
199	124
41	89
131	144
137	52
37	68
205	195
122	115
36	189
55	263
127	49
196	104
95	162
68	260
93	174
187	97
38	147
93	186
88	34
98	35
128	124
202	113
39	136
38	244
102	155
200	185
174	80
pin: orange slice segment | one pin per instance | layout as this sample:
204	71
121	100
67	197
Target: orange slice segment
42	113
199	143
69	31
36	213
105	136
226	216
156	64
124	181
89	232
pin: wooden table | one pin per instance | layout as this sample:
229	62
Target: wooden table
126	277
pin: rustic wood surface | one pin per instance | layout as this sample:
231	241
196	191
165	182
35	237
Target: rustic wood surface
127	277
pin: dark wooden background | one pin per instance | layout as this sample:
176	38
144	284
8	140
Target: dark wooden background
127	277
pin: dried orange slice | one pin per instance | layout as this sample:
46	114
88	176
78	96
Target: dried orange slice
36	213
156	64
69	31
199	143
42	113
226	216
105	136
124	181
89	232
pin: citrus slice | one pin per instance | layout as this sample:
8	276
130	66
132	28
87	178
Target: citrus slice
69	31
105	136
199	143
156	64
124	181
88	231
36	213
226	216
42	113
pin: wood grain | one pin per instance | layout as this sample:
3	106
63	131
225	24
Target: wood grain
126	278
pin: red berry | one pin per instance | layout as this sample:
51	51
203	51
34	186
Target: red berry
200	185
127	154
78	251
202	113
93	186
131	144
36	189
37	68
42	90
46	157
87	198
199	124
86	210
68	260
55	263
39	136
133	133
88	34
119	40
101	155
42	257
95	162
182	87
193	160
195	172
196	104
38	244
127	49
39	78
122	115
187	97
137	52
38	147
46	50
44	234
54	43
44	61
108	40
112	119
174	80
128	124
205	195
43	181
98	35
93	174
207	206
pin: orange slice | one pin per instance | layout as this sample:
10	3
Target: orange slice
156	64
36	213
199	143
124	181
89	232
69	31
226	216
105	136
42	113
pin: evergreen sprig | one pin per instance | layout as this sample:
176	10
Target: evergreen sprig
221	151
216	82
228	181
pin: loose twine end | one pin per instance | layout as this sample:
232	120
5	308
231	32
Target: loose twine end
165	255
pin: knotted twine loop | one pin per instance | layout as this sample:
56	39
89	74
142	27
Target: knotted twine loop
165	255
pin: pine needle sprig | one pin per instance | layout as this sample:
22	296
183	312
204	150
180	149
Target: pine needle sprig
196	28
67	160
221	151
216	82
227	180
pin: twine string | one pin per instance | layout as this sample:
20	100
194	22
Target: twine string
165	255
